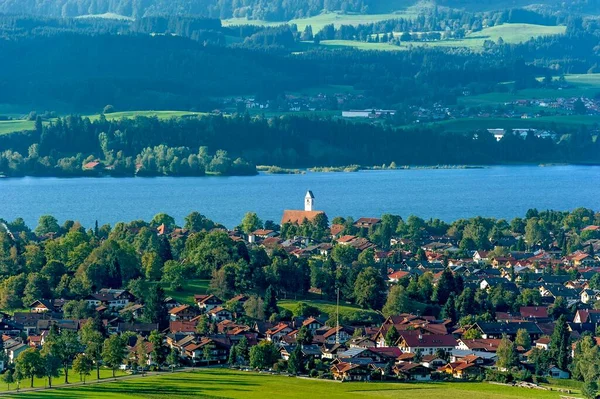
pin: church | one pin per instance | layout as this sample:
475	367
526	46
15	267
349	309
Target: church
297	217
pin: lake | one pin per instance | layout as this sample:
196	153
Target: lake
448	194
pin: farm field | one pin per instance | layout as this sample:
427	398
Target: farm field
510	33
223	383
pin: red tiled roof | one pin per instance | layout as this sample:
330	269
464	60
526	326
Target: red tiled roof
297	217
429	341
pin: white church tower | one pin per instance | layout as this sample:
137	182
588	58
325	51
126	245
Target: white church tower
309	201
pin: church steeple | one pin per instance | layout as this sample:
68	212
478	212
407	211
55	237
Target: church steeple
309	201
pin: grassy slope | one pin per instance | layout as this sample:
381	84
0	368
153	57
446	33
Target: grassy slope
215	383
158	114
15	126
191	288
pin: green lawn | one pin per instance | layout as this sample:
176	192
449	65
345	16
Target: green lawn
222	383
192	287
42	382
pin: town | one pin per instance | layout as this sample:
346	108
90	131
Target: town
409	300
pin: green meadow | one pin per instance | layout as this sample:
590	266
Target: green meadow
191	287
510	33
223	383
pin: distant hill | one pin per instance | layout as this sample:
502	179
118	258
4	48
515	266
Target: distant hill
270	10
256	9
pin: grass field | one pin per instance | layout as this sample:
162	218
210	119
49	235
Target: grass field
42	382
158	114
191	288
510	33
346	311
15	126
317	22
222	383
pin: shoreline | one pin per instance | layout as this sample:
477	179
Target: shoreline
270	170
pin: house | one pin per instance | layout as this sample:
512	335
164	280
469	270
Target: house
481	256
535	313
555	291
589	296
555	372
44	305
13	349
433	361
478	345
207	302
412	372
464	369
93	166
397	276
219	314
261	234
543	343
587	316
276	333
366	223
497	330
110	298
183	313
425	344
343	371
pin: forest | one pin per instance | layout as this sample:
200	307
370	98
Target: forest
171	147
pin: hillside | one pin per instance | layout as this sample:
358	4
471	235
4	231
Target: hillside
267	10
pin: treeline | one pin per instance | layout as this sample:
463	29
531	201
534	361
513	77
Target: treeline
163	147
252	9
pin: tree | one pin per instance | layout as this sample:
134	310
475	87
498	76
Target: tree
304	336
444	287
507	356
263	355
64	345
158	353
523	339
47	224
391	336
93	341
270	302
295	361
152	266
590	390
233	356
113	352
155	309
29	364
449	309
8	378
559	308
369	288
173	359
560	348
83	365
108	109
251	222
50	364
163	218
141	353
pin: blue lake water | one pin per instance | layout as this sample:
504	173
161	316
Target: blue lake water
501	192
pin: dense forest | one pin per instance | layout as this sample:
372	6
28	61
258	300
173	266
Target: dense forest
154	147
